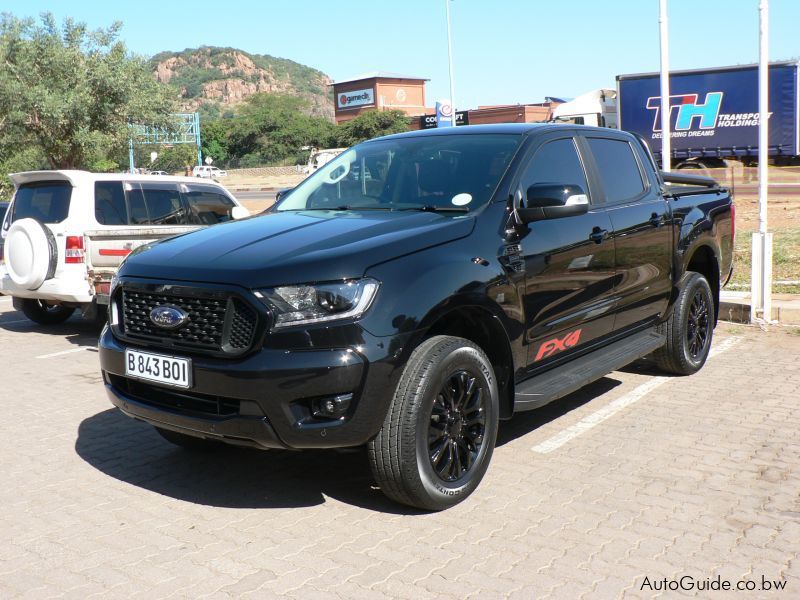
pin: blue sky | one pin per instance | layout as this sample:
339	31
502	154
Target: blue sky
505	51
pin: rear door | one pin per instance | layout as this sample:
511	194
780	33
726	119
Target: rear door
49	202
569	262
640	219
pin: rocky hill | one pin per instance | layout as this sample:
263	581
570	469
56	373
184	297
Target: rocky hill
217	79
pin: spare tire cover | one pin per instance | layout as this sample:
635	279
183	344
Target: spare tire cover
30	253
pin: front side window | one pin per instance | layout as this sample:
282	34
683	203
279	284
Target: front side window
618	169
45	201
556	162
208	207
411	173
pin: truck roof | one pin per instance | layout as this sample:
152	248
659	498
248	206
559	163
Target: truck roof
501	128
784	63
507	128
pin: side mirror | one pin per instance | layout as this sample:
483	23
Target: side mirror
239	212
281	193
553	201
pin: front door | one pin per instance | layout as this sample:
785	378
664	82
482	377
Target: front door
569	262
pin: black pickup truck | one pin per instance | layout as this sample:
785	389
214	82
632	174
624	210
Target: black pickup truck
416	290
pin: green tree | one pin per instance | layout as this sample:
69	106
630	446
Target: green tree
214	140
69	90
274	128
371	124
175	158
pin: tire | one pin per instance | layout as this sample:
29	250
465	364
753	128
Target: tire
40	312
689	329
439	433
188	442
31	254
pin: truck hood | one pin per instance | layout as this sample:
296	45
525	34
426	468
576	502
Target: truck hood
295	247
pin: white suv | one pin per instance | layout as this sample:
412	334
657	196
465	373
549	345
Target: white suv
66	232
208	172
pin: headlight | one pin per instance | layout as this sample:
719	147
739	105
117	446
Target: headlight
306	304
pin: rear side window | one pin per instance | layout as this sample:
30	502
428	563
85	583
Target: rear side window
45	201
155	205
618	169
110	207
208	207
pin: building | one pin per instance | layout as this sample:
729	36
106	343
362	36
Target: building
382	90
505	113
379	90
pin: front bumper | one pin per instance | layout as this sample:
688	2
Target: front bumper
264	399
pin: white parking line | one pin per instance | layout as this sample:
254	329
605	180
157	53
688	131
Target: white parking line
636	394
63	352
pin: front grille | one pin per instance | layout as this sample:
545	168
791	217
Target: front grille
179	401
218	322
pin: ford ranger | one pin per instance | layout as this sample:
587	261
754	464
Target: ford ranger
416	290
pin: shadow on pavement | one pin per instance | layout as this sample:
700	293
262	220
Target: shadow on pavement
232	477
229	477
76	330
526	422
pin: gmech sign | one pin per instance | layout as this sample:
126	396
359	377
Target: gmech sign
355	98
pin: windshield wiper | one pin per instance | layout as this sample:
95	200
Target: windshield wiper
431	208
342	207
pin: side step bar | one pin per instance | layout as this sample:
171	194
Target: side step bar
561	381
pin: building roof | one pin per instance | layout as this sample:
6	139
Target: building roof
380	75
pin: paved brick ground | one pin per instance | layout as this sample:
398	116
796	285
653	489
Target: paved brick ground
700	477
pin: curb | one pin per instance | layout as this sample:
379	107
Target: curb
737	310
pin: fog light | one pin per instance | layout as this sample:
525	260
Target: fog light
333	407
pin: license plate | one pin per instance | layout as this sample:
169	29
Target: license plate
157	367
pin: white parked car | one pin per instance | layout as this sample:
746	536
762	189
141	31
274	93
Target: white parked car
66	232
208	172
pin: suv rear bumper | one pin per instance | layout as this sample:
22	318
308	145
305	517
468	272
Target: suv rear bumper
60	289
265	399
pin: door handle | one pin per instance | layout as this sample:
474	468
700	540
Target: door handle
598	235
656	220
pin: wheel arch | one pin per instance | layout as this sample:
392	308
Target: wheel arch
480	326
704	260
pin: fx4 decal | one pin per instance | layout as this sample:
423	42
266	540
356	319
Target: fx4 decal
550	347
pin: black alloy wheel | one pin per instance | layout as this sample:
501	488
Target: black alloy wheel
457	425
698	326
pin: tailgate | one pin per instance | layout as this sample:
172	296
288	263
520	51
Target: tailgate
105	248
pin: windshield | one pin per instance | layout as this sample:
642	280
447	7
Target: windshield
447	172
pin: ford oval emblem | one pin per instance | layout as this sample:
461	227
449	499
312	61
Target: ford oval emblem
168	317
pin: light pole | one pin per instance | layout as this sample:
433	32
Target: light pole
666	141
450	60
